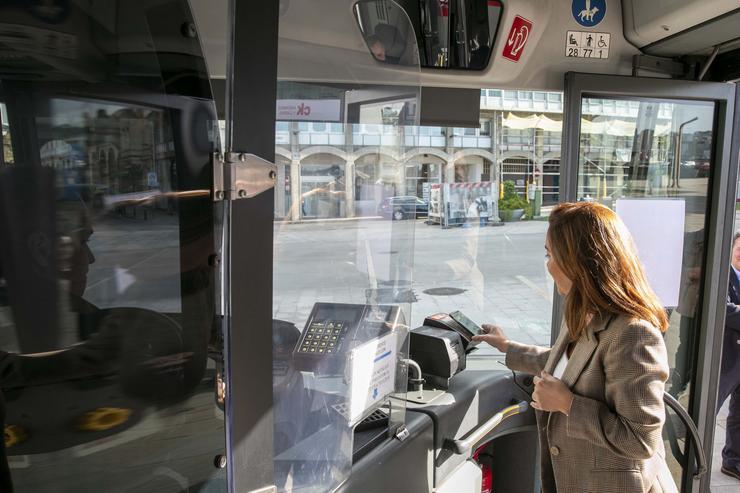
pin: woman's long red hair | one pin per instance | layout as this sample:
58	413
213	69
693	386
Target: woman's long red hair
594	249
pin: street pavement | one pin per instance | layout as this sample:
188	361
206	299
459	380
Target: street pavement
499	271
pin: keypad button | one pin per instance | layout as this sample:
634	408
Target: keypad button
321	350
312	350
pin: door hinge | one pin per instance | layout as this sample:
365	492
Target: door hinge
238	175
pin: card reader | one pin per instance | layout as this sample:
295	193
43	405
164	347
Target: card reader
456	322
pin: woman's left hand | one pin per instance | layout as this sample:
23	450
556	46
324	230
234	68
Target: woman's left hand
551	394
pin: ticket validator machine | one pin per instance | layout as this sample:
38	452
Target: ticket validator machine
341	395
346	408
440	346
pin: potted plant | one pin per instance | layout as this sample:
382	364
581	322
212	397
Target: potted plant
511	206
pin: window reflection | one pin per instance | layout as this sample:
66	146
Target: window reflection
106	298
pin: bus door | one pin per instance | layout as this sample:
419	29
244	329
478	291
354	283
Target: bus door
108	337
668	172
320	307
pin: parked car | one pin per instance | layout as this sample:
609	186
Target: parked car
398	208
702	168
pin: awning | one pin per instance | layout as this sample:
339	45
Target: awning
599	125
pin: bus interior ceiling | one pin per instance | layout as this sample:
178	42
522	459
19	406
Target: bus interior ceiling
671	33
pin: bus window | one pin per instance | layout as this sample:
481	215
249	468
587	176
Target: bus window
107	316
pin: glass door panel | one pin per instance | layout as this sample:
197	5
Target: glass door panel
107	294
654	151
343	250
658	151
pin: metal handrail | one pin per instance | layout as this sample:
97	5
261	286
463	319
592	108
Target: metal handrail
464	445
701	457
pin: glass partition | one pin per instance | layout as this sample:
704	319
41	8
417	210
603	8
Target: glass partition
343	251
107	319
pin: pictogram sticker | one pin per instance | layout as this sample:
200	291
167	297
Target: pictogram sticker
588	13
587	44
518	36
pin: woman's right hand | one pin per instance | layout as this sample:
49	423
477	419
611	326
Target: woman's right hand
493	335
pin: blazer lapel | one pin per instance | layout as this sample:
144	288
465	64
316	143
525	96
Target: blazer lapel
584	348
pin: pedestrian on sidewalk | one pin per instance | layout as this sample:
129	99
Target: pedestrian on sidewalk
729	378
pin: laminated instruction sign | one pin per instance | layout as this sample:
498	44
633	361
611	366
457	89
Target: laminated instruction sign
657	228
372	374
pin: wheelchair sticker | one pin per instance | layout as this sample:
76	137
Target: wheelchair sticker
587	44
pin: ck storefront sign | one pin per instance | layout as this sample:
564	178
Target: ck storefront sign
312	110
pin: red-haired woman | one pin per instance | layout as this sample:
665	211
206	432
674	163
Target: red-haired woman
599	389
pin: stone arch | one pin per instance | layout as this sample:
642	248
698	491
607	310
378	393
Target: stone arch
420	151
515	155
313	150
474	152
374	150
474	169
283	152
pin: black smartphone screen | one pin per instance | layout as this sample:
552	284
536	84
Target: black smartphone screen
470	326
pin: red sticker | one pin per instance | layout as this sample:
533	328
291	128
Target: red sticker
518	37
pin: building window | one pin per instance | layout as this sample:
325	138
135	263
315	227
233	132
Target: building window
525	95
319	127
485	128
554	97
494	93
282	126
510	95
539	96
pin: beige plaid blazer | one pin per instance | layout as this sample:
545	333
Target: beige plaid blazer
611	442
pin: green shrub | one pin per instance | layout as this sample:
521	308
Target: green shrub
512	200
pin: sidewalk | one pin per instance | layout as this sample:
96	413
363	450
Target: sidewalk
721	483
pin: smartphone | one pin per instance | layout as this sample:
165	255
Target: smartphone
470	327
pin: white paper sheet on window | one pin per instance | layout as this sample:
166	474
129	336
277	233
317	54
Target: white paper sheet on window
657	227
